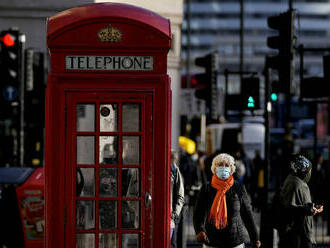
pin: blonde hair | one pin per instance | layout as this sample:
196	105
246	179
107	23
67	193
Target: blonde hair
221	160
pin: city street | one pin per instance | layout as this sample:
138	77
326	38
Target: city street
117	117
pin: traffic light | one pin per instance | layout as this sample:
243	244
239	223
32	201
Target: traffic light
274	91
326	68
273	97
284	43
10	71
207	83
250	93
317	88
314	87
34	107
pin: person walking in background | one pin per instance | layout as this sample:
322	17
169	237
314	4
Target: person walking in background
188	168
177	197
257	180
297	204
243	170
201	172
220	208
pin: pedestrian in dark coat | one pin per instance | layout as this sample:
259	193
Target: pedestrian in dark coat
220	208
296	199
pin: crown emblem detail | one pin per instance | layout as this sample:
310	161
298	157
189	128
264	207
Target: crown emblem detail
109	34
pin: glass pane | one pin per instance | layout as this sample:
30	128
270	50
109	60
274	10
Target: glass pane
85	240
108	240
108	150
108	117
131	150
85	117
85	217
85	150
131	117
85	183
108	214
130	182
130	214
108	182
130	240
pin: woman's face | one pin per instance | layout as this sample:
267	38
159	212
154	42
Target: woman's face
223	171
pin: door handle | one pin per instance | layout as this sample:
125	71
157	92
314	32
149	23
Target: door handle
148	200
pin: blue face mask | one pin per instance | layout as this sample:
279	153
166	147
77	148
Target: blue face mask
223	172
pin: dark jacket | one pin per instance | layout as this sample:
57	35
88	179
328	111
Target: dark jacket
296	198
238	209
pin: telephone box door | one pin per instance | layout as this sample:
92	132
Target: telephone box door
109	139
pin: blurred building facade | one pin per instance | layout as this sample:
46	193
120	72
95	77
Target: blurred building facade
215	25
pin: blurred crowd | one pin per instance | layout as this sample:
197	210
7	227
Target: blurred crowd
196	171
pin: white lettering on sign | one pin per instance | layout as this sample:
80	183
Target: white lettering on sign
109	63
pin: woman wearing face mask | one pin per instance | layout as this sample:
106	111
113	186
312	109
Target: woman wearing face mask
220	208
299	209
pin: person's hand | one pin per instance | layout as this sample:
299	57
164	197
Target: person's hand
319	209
257	244
201	237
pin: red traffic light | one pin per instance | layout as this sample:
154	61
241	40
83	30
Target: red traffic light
8	40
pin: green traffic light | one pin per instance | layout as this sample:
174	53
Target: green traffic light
273	97
251	102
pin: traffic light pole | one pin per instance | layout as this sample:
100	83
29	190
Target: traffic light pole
290	5
241	57
226	72
301	69
266	231
22	98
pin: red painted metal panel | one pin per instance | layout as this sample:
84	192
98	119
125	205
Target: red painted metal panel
104	10
161	174
134	35
54	164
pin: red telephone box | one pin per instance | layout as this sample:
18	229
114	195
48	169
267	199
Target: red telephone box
107	128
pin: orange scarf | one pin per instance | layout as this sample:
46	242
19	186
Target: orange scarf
218	212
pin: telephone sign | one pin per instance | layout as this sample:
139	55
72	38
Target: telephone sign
109	63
